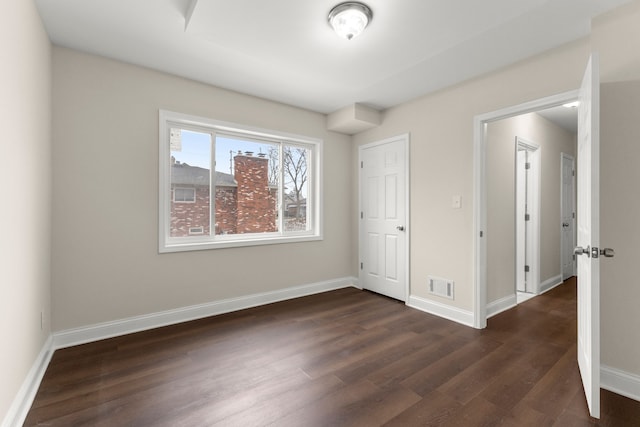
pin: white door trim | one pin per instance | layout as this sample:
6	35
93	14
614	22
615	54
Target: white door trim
563	250
404	139
533	236
480	192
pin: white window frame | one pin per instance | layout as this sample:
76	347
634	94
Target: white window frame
166	243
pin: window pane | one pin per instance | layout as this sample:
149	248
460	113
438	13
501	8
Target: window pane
296	174
187	195
190	182
246	186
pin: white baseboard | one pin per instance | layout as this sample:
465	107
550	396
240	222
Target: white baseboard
501	305
550	283
22	402
129	325
511	301
443	310
620	382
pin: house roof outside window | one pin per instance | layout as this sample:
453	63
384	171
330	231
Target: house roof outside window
185	174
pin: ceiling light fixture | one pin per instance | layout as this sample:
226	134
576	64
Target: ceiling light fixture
349	19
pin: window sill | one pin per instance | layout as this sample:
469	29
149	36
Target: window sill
177	246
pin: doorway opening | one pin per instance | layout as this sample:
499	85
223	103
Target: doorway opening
587	226
483	234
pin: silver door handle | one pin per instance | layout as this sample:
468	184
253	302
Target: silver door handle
607	252
579	250
594	252
400	228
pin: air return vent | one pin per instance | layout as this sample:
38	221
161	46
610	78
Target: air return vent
441	287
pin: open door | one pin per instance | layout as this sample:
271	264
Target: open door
588	268
588	228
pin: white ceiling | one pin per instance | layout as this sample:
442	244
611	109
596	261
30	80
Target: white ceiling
564	117
284	50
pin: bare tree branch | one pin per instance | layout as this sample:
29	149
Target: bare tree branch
295	168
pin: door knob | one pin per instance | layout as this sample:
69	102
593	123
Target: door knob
594	252
565	224
607	252
400	228
579	250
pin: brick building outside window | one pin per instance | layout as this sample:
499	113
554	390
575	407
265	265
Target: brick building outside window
244	202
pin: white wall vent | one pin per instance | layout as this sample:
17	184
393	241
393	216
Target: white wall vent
441	287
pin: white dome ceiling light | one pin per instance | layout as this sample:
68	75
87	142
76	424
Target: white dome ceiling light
349	19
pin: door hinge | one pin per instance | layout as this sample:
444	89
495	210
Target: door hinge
361	165
573	173
526	268
361	266
527	217
361	215
527	165
482	234
573	215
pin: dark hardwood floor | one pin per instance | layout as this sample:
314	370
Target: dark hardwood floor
343	358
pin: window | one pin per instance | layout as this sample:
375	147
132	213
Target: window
264	187
184	195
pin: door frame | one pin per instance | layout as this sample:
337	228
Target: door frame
533	190
480	192
563	250
404	139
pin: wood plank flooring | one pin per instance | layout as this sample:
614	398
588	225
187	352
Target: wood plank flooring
342	358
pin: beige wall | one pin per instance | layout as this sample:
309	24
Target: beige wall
619	214
441	147
106	264
500	168
25	120
616	36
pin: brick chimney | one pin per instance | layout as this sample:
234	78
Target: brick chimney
256	202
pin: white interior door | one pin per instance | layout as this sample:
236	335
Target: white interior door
383	217
567	216
588	236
